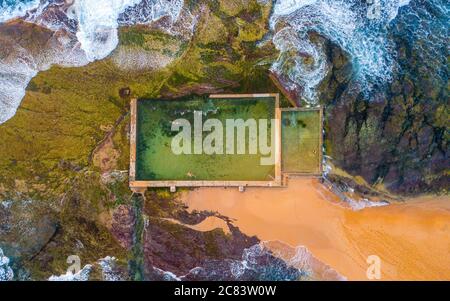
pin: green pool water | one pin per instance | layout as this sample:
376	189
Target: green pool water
156	161
300	136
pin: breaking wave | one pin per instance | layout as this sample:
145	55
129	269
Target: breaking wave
367	31
359	28
11	9
266	261
98	20
6	273
85	31
97	25
107	266
81	275
147	11
14	77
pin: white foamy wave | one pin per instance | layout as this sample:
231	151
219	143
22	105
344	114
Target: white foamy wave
6	273
15	9
15	74
289	6
151	10
349	199
257	263
18	66
266	261
166	275
301	258
98	20
53	14
85	31
108	267
358	29
97	25
82	275
296	49
357	205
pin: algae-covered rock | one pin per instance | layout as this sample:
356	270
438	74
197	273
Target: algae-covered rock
177	249
394	138
26	226
65	153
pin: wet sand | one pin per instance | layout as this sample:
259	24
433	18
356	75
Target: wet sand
412	239
208	224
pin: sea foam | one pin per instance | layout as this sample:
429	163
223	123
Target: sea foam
88	32
98	20
11	9
82	275
97	25
6	273
265	261
358	29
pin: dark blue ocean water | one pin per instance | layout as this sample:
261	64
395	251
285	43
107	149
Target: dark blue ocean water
16	4
15	8
422	31
371	32
374	34
409	40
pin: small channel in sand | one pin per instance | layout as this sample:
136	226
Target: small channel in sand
412	239
208	224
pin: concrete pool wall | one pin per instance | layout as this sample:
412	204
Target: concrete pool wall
302	141
138	184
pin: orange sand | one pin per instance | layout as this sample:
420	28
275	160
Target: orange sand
411	239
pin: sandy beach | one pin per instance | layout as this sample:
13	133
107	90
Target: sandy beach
412	239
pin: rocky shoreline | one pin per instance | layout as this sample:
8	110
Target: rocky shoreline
64	156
